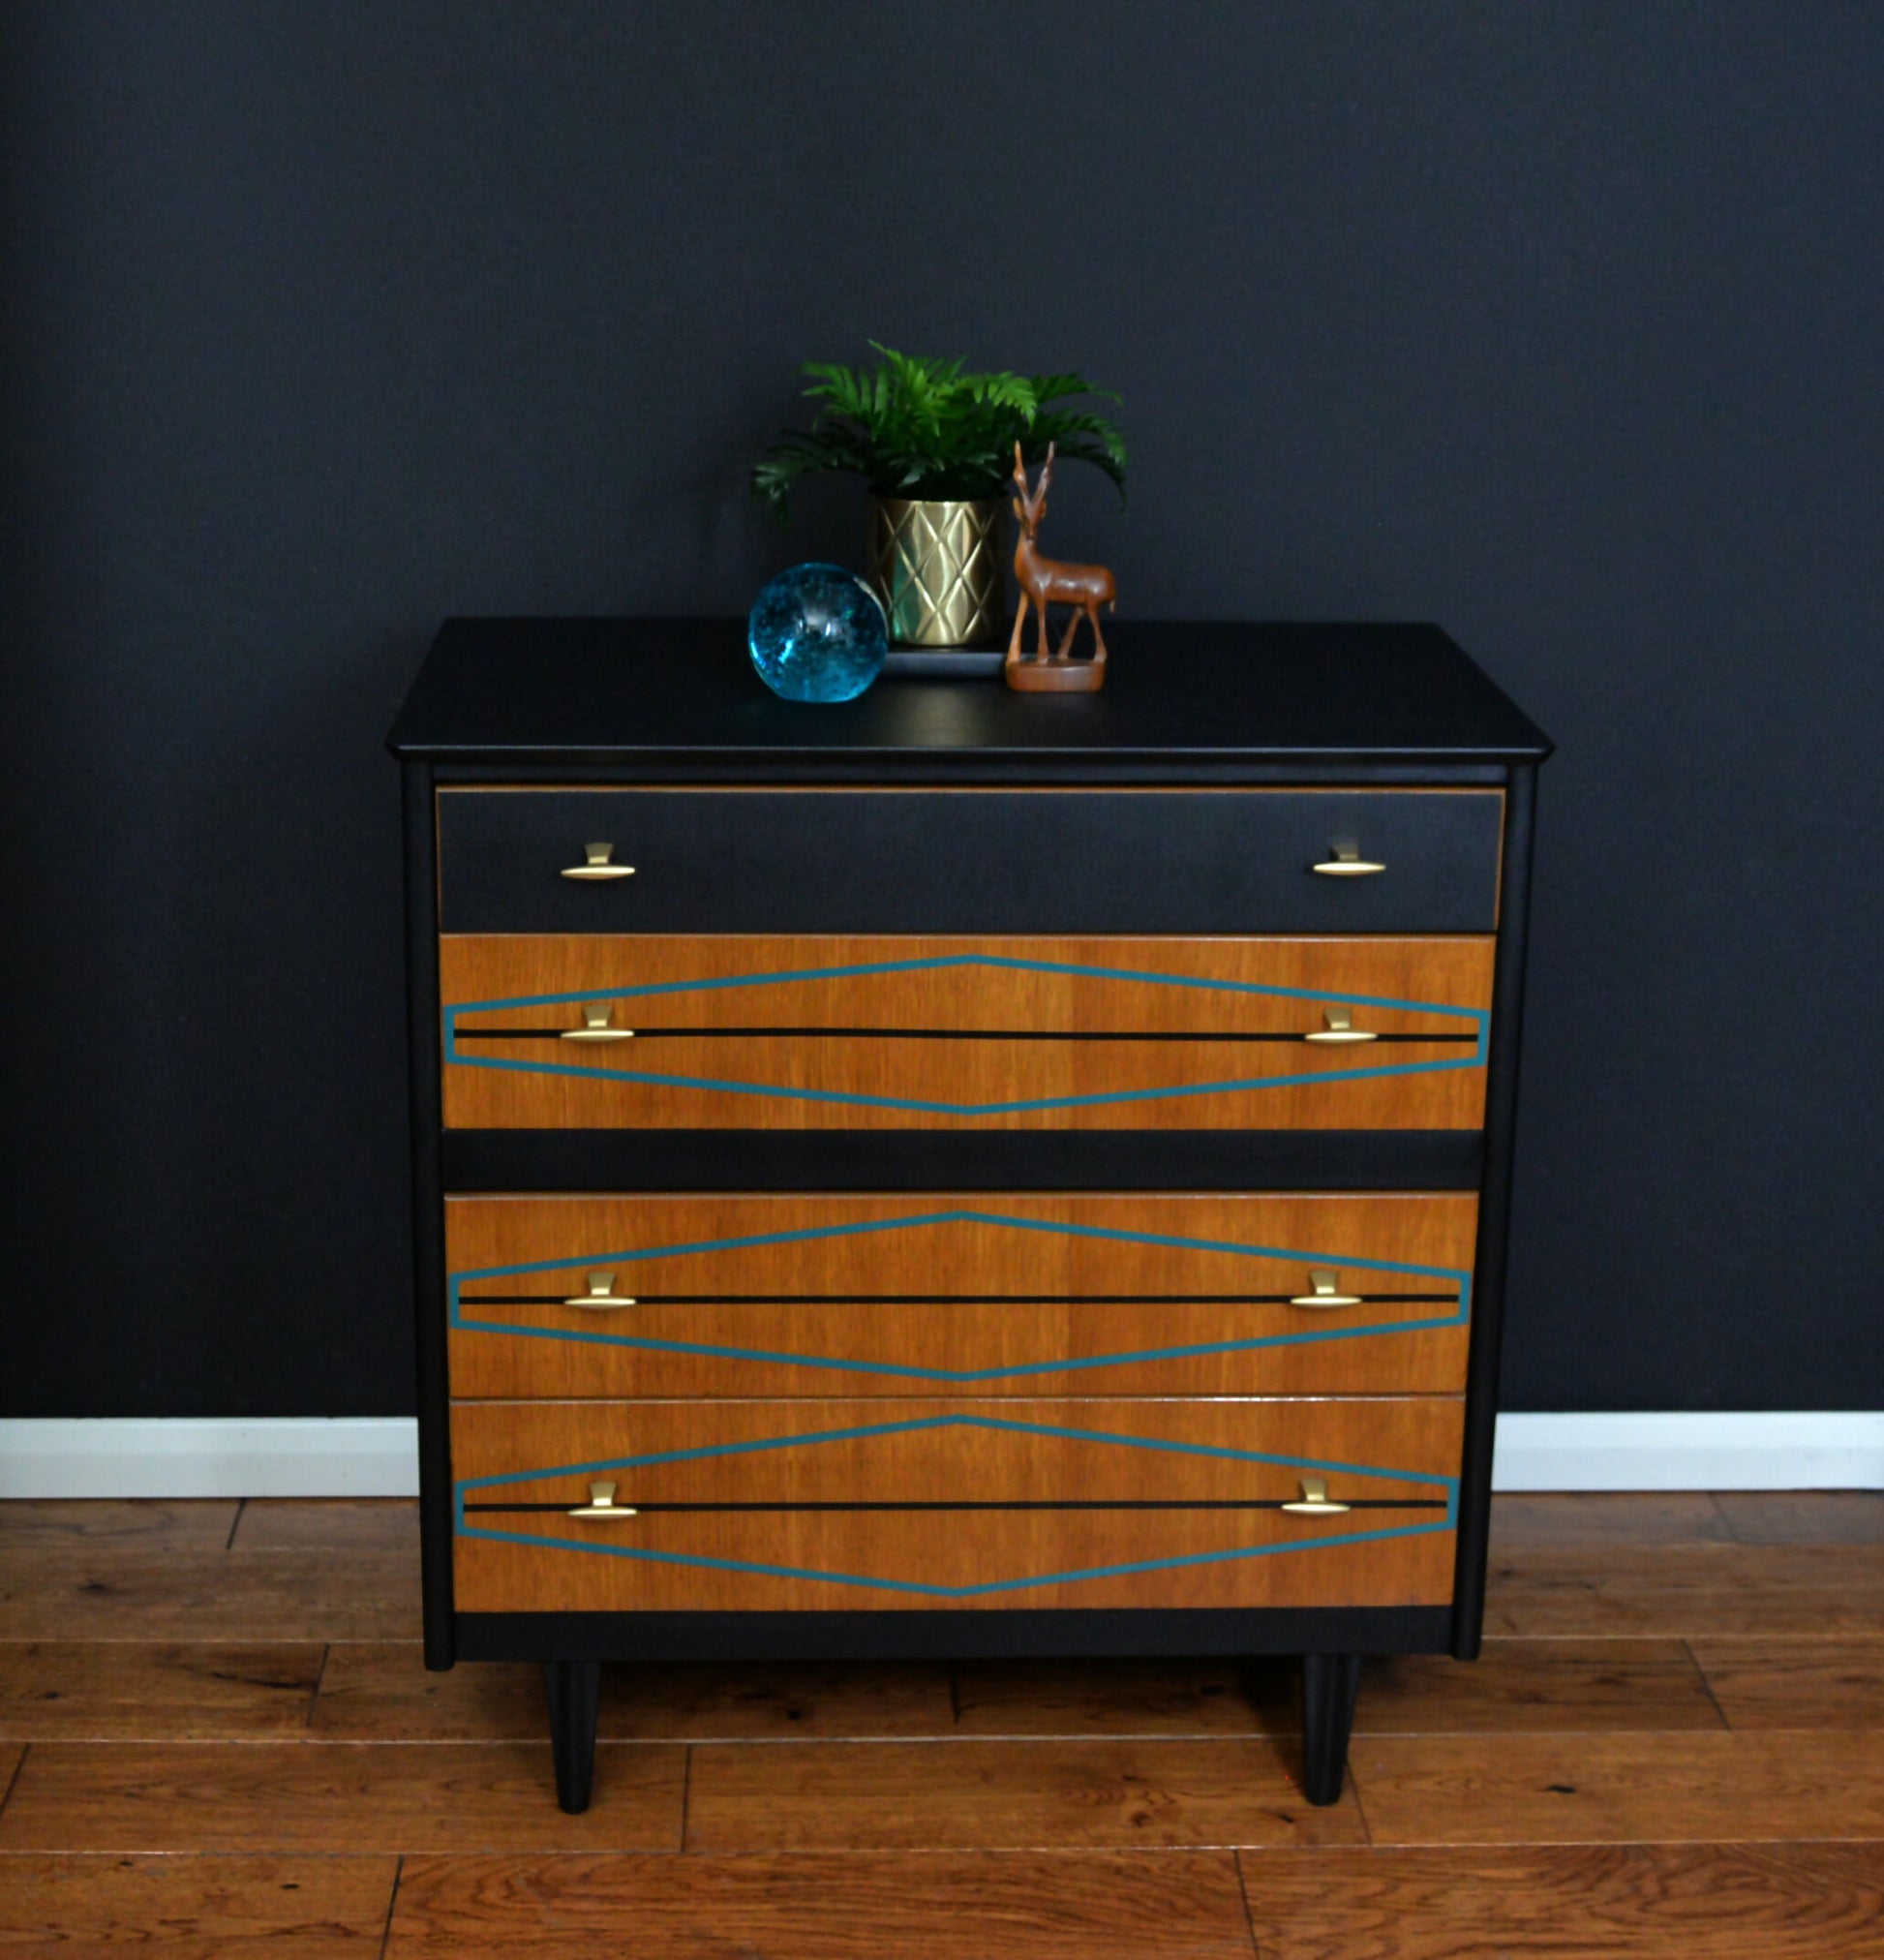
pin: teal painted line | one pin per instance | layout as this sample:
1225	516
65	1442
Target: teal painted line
959	1376
955	1591
955	1421
687	1247
1232	985
745	1244
1481	1017
458	1319
921	1108
718	982
730	980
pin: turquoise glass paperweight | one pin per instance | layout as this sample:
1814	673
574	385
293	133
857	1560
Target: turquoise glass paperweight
817	633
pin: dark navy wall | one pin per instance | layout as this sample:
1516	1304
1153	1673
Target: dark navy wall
1556	323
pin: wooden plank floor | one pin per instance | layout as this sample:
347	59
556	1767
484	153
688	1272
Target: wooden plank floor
216	1737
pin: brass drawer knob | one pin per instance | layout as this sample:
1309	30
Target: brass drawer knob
1345	861
595	1018
1338	1025
595	864
1315	1501
601	1292
601	1504
1324	1289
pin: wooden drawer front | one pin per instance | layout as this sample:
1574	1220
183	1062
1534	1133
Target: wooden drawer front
821	1505
985	1295
969	861
799	1033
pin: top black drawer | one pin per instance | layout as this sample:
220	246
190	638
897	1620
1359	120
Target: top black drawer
970	861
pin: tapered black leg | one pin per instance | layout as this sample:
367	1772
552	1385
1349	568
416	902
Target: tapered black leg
574	1689
1330	1682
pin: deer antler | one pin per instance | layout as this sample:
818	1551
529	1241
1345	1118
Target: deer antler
1032	495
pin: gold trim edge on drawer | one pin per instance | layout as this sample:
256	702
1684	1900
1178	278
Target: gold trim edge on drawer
1479	1018
1318	1263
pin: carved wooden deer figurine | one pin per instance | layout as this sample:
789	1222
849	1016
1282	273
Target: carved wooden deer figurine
1045	580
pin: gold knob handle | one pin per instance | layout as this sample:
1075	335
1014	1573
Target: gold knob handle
601	1504
595	864
1315	1501
595	1018
1345	861
1340	1026
1324	1290
601	1292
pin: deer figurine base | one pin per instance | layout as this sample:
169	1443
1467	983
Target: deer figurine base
1054	677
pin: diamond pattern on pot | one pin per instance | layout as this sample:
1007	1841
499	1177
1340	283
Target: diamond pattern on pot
936	568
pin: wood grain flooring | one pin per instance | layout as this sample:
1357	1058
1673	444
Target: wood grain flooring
1796	1684
380	1691
342	1796
217	1737
286	1906
1647	1902
1004	1795
1725	1787
1177	1906
170	1691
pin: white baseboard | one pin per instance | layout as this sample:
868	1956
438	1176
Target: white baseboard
377	1455
211	1457
1731	1451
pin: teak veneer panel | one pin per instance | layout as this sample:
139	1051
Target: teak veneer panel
826	1295
1037	1465
859	1079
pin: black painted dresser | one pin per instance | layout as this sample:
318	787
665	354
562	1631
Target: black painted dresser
960	1173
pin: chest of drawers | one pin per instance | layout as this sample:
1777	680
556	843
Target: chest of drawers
960	1173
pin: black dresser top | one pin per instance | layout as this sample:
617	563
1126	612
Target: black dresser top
1180	698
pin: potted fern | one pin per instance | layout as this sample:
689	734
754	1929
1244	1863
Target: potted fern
935	445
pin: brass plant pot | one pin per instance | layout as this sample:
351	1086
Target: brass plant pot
938	569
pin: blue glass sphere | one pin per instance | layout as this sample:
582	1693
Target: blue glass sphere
817	633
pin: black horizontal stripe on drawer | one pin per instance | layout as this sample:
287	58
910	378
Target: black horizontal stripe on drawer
1079	1034
641	1508
962	1298
988	861
963	1160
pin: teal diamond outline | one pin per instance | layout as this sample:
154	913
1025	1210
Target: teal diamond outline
960	1377
461	1486
1481	1017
